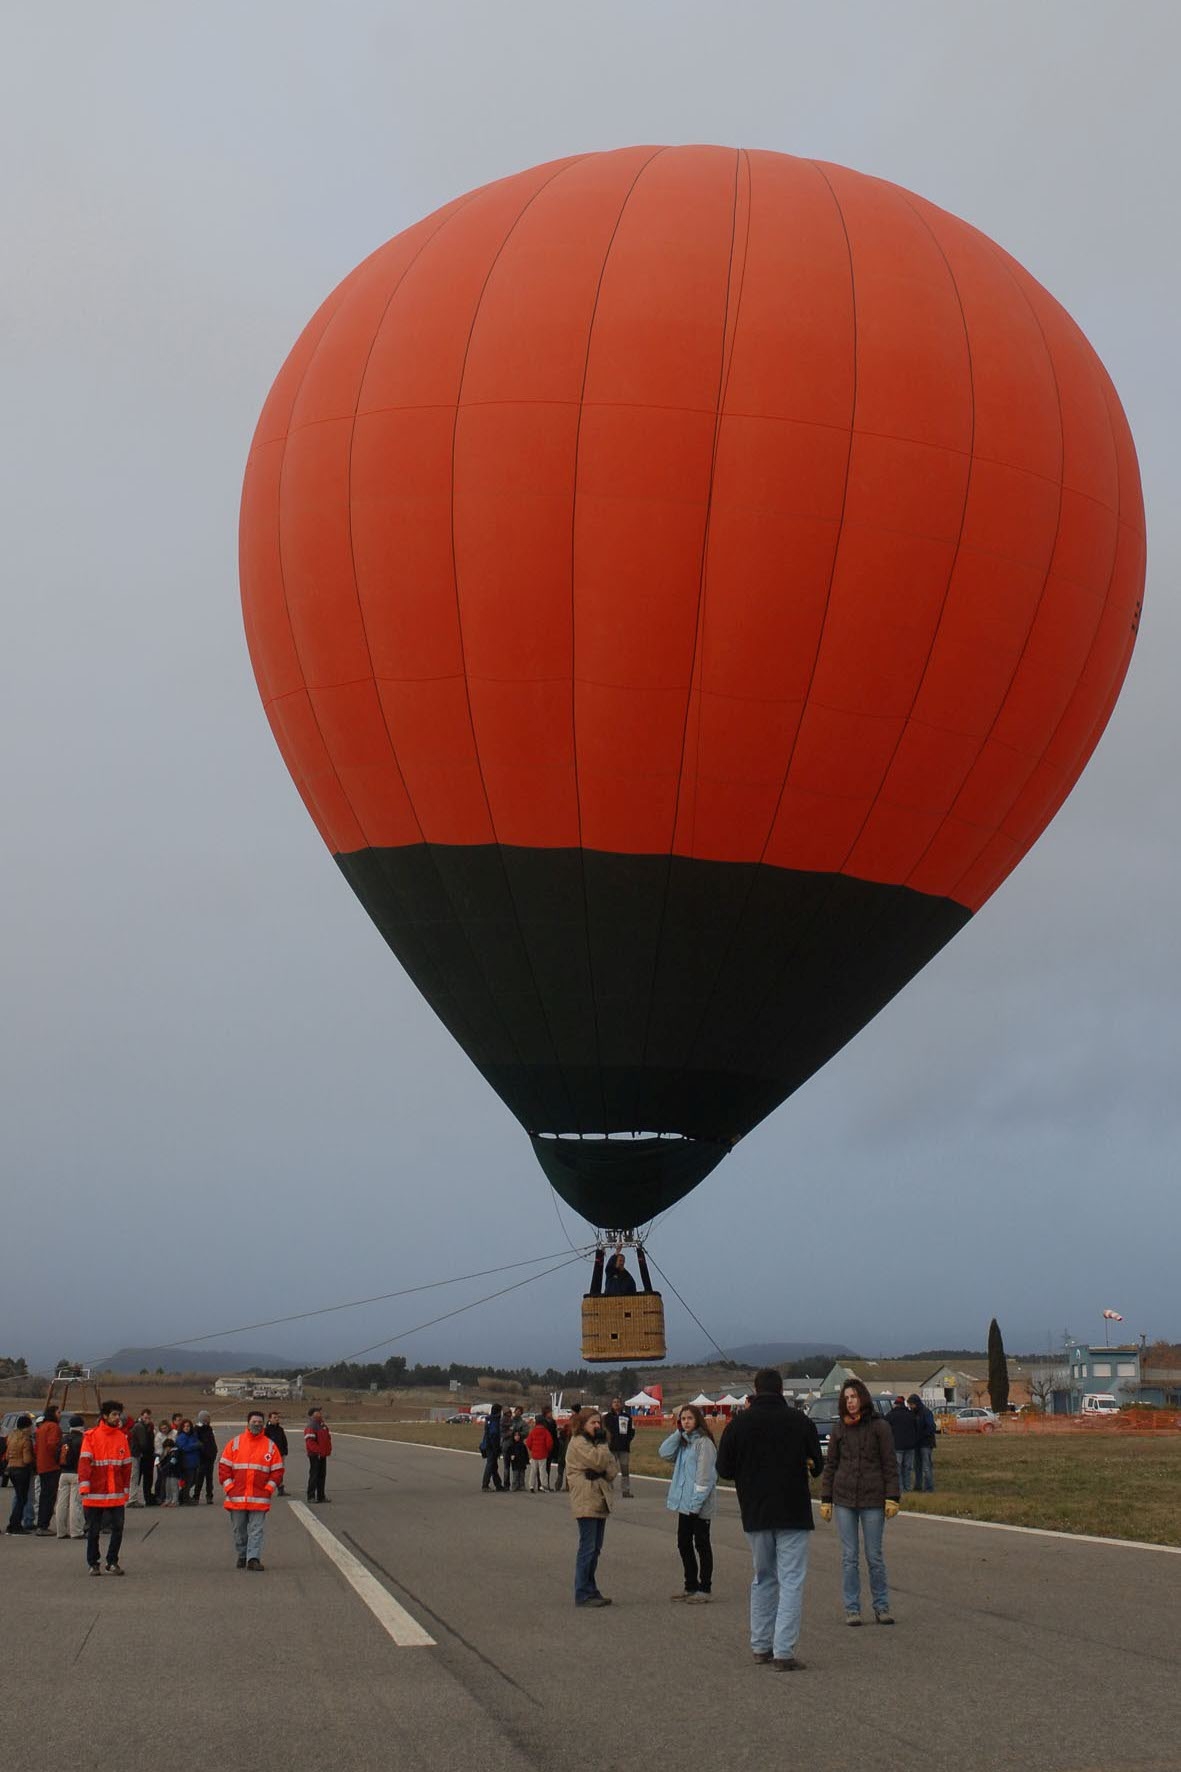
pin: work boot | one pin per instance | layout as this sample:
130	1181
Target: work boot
787	1664
241	1562
254	1564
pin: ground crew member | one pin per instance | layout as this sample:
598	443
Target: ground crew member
318	1445
104	1485
250	1470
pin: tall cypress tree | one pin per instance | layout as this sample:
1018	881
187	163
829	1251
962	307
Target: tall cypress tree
998	1368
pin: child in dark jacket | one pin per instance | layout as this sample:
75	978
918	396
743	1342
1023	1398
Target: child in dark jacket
170	1474
518	1458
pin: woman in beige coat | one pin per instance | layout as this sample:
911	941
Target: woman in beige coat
590	1472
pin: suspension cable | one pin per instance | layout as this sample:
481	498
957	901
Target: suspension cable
347	1359
684	1306
378	1298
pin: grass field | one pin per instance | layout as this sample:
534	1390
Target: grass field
1112	1485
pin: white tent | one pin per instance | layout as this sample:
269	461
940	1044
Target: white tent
644	1400
701	1401
729	1402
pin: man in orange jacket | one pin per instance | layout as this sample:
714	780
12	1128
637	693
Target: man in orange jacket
104	1485
250	1470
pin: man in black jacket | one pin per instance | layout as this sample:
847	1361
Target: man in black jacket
620	1429
904	1428
142	1440
768	1450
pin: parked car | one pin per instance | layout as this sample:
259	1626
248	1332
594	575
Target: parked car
456	1420
975	1419
825	1410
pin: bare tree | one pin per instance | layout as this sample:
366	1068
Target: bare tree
1043	1382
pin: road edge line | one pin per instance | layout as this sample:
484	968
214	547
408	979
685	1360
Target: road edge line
1140	1544
393	1617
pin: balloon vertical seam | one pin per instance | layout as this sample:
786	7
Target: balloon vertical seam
508	885
590	967
725	364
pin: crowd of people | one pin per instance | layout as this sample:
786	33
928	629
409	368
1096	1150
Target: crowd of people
528	1452
770	1452
71	1482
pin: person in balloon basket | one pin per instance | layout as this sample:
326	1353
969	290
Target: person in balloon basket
769	1451
104	1485
861	1481
318	1445
250	1471
618	1283
621	1431
590	1472
692	1497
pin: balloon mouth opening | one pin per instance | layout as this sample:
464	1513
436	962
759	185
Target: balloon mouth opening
620	1137
624	1179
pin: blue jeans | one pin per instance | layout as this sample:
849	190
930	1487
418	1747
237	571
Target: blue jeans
590	1543
249	1525
925	1469
872	1520
780	1558
905	1469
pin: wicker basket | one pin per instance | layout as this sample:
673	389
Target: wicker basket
630	1328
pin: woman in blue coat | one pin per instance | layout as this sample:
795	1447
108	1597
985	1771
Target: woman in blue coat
188	1448
691	1496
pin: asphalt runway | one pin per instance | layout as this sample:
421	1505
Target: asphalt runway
1010	1650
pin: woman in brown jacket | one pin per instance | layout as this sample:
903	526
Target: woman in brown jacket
21	1461
861	1479
590	1472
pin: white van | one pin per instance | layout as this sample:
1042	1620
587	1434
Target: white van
1100	1403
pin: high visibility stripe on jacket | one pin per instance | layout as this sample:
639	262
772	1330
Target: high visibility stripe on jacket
104	1467
249	1470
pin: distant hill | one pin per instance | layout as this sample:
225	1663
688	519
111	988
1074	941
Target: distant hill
130	1360
782	1353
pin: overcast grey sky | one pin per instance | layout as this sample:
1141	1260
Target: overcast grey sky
221	1098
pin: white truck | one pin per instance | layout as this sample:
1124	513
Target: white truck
1100	1403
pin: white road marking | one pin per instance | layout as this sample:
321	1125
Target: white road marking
1168	1550
405	1631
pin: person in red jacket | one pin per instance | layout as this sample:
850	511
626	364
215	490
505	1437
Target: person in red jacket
250	1471
47	1442
540	1444
318	1445
104	1485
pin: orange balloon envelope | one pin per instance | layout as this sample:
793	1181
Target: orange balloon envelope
682	583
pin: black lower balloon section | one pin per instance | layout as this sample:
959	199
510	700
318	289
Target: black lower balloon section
629	1180
642	994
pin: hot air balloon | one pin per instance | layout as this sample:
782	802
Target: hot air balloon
683	583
